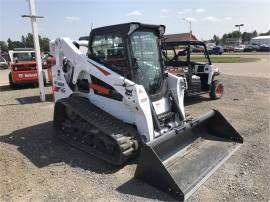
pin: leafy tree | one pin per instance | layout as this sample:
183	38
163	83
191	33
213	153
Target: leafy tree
254	33
246	37
235	34
10	45
44	44
17	44
216	39
26	42
265	34
29	41
3	46
23	40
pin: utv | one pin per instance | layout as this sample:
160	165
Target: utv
200	74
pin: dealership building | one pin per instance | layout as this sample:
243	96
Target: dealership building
260	40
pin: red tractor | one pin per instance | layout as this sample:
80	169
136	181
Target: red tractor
23	68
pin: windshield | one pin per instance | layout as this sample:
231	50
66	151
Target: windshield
180	54
147	64
24	56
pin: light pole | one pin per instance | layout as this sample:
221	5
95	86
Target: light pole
190	32
239	26
33	18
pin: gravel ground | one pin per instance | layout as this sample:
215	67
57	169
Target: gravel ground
36	167
261	68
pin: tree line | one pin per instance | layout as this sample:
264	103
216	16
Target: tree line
25	42
245	36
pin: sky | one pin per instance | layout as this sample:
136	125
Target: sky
73	18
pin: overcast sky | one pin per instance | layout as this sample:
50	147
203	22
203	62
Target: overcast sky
73	18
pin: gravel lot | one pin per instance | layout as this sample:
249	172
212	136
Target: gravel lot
260	68
36	167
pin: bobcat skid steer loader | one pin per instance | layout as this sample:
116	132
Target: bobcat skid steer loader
115	101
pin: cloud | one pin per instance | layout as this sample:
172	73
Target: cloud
134	13
200	10
164	10
191	19
212	19
72	18
163	16
228	18
187	10
184	11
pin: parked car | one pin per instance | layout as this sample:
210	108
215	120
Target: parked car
3	63
264	48
250	48
218	50
197	49
239	48
228	49
5	55
210	51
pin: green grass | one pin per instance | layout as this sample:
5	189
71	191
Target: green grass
221	59
247	53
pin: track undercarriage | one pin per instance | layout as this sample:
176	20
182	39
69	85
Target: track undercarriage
83	125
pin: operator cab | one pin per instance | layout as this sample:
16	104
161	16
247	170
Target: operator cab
133	51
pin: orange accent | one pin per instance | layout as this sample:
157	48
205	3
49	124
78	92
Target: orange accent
102	70
219	90
176	71
55	88
100	89
30	75
49	70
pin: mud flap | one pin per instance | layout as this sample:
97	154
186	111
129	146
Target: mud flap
180	161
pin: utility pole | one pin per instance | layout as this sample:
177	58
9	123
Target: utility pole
190	31
239	26
33	18
91	26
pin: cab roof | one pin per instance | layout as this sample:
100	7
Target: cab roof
128	28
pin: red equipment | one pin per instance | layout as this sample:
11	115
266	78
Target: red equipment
23	67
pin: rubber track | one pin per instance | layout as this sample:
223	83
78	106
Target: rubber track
124	135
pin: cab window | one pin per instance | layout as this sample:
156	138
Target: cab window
109	49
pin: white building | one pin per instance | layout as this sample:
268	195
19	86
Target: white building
259	40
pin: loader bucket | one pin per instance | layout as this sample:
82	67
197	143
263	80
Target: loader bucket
180	161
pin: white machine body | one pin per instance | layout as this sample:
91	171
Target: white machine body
134	108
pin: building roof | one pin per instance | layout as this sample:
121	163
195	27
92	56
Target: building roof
179	37
262	37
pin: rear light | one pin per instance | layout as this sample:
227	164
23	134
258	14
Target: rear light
56	89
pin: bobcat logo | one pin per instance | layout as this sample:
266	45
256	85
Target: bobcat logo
129	92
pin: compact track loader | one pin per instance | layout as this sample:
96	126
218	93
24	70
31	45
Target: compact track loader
116	101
